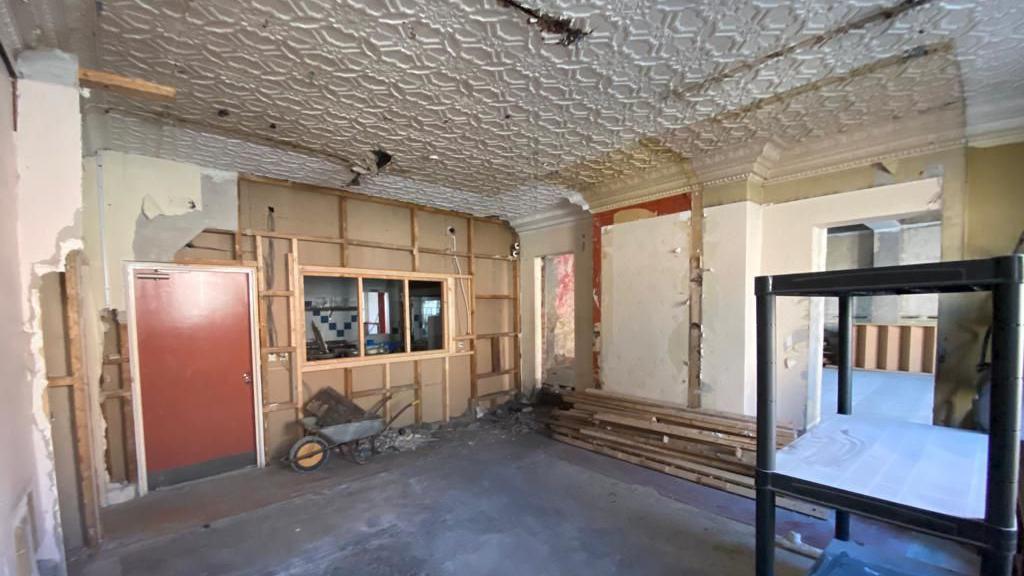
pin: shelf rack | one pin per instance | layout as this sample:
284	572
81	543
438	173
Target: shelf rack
994	534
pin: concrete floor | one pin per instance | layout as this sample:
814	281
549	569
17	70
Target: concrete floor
485	500
907	396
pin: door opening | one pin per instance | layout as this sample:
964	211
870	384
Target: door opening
558	321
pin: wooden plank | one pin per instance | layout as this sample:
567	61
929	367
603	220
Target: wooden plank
928	350
414	233
866	346
125	85
341	272
494	296
289	236
276	294
60	381
377	359
297	323
495	374
80	403
495	355
407	328
348	382
889	348
912	348
359	315
696	288
127	413
417	380
343	229
445	397
387	389
470	234
517	356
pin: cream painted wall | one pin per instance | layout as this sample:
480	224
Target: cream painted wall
794	241
645	311
561	238
732	258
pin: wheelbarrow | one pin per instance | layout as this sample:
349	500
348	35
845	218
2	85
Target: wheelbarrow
356	439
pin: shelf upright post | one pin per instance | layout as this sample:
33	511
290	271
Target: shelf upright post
845	402
1004	426
765	513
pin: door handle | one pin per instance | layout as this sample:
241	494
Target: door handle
246	378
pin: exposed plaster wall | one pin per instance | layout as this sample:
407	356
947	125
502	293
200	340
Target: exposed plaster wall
732	258
17	458
794	241
49	200
137	208
645	282
141	208
562	238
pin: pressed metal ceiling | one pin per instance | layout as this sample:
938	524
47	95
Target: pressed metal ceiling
474	101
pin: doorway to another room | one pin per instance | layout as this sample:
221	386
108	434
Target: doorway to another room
196	380
894	339
558	326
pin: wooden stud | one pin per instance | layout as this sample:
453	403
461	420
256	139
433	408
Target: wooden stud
417	380
348	382
359	314
517	317
127	414
407	331
445	397
297	323
125	85
387	389
889	348
472	310
696	290
80	402
343	229
414	231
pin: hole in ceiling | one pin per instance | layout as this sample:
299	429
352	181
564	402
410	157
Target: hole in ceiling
223	113
550	24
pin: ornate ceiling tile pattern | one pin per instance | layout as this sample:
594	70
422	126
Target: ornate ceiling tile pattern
469	96
153	137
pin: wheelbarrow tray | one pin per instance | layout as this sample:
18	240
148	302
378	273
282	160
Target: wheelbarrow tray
351	431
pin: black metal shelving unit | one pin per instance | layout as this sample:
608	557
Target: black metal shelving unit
994	533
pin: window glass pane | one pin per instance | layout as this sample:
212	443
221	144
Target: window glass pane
426	315
383	316
331	321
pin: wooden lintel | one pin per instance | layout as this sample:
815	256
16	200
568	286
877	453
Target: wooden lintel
125	85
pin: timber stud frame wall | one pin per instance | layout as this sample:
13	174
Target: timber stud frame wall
493	354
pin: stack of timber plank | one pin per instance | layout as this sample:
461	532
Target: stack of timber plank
711	448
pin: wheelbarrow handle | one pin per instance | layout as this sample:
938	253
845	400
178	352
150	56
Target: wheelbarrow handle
399	413
375	409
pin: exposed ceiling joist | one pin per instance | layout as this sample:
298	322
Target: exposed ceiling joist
125	85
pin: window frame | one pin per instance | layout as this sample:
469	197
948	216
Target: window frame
445	280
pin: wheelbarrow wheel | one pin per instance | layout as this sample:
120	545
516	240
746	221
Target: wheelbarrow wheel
308	454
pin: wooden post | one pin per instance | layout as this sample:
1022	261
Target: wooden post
359	314
348	383
343	229
445	398
387	389
298	325
80	402
517	361
696	290
127	415
473	392
417	381
414	226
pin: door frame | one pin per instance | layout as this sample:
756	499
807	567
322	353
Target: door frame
142	479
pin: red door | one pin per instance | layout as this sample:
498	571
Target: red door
195	373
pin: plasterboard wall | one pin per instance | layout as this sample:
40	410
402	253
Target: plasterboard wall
567	237
645	287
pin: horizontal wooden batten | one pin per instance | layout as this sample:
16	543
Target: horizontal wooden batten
372	273
494	297
277	294
375	359
496	374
